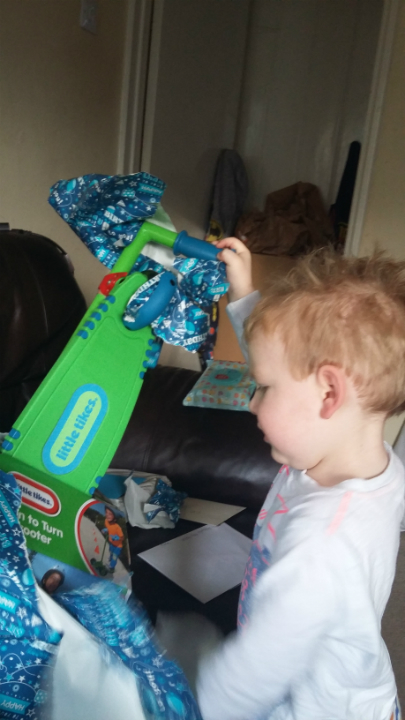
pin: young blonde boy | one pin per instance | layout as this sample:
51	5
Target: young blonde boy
326	347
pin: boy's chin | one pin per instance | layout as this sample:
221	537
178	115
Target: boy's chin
279	456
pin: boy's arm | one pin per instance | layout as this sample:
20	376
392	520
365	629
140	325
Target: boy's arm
238	261
242	296
255	669
238	311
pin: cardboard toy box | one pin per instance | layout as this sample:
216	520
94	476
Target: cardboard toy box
70	527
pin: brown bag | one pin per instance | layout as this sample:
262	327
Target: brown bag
294	221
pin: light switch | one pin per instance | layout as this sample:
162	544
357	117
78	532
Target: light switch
88	15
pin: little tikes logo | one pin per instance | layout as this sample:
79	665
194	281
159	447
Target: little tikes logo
74	432
38	496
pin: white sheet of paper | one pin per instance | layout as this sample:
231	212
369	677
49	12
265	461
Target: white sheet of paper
207	511
205	562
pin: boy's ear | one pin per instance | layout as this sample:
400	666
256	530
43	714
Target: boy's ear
332	382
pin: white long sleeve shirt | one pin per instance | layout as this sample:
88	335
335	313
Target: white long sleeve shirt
320	572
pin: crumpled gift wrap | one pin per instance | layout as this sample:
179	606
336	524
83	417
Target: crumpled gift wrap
106	211
183	322
27	643
126	630
151	502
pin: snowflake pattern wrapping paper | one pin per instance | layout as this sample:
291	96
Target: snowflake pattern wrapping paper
183	322
204	281
27	643
126	630
106	211
165	499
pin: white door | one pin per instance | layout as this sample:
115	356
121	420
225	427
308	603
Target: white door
194	86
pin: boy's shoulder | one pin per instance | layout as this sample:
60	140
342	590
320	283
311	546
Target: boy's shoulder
299	486
303	509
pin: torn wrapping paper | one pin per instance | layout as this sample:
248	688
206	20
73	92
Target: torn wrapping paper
106	212
127	632
151	502
184	322
27	643
166	500
204	281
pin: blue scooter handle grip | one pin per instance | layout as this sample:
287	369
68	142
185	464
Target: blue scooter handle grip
186	245
157	302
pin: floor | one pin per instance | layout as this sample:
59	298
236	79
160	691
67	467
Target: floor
393	626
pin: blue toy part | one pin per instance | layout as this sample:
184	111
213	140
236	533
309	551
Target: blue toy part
157	301
154	305
112	486
182	320
193	248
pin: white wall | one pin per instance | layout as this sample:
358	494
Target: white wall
60	92
306	86
197	62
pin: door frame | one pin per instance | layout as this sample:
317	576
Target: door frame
372	126
135	82
138	101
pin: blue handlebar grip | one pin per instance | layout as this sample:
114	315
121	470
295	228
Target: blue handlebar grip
191	247
157	302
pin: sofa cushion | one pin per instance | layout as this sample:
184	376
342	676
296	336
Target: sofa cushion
211	454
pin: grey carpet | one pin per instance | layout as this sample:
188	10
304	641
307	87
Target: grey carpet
393	624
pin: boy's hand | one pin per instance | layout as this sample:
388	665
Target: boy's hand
238	267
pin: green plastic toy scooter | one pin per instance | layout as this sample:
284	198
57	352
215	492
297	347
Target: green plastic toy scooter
72	426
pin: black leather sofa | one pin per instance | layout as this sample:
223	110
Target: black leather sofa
211	454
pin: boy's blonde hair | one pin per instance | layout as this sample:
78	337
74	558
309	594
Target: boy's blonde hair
343	311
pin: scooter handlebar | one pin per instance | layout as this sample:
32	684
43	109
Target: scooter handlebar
194	248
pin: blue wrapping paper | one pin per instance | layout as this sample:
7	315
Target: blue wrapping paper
166	499
127	631
106	212
202	280
27	643
184	322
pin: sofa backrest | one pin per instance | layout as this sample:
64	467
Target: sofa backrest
209	453
40	307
